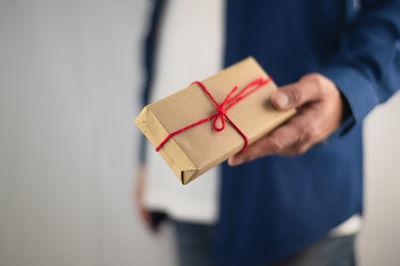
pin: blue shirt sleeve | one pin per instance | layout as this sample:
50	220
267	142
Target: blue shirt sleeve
367	67
149	62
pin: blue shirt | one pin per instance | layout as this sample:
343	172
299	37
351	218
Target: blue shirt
275	206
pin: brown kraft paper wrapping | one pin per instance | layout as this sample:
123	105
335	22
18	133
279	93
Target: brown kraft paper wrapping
196	150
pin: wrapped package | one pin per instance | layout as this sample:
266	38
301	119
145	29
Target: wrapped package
204	124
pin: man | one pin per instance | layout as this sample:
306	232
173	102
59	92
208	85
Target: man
288	197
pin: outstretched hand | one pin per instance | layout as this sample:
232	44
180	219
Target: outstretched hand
319	105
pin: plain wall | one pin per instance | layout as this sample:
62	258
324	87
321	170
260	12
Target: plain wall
69	79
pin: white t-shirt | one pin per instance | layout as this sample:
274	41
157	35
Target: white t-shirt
189	48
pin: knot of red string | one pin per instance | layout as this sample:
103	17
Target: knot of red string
221	115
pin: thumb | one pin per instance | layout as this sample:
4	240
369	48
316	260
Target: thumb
295	95
279	99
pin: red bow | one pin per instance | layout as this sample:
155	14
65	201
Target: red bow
222	108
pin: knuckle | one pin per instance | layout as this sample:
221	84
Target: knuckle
302	149
252	158
312	133
316	78
304	137
274	145
252	154
297	95
299	150
316	135
318	81
257	152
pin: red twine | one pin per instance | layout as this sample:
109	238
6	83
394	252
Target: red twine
222	108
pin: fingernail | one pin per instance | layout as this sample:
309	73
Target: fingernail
281	99
233	162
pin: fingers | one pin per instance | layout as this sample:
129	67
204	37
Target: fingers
297	94
278	140
294	138
296	149
319	105
145	216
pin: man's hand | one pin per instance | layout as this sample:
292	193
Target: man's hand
139	190
320	109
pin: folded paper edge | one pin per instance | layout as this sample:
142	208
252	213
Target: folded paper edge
171	150
188	175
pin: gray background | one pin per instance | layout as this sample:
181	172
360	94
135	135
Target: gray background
69	76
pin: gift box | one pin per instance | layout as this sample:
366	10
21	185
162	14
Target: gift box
204	124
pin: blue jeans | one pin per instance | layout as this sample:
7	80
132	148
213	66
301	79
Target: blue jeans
329	251
194	243
195	248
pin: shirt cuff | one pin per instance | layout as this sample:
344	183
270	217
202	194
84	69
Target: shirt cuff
357	92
